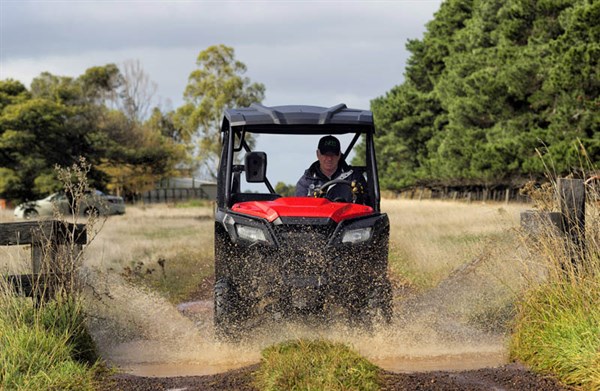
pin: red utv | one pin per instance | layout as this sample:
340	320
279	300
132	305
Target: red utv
287	257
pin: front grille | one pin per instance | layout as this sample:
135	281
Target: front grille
298	236
304	252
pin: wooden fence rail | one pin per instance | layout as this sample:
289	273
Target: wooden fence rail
49	240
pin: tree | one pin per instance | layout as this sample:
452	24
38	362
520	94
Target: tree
218	83
137	155
36	135
100	84
489	85
137	91
285	190
12	92
64	118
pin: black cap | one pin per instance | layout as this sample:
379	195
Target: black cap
329	144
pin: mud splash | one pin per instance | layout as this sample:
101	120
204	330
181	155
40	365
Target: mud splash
143	334
139	332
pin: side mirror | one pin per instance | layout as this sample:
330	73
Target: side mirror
255	167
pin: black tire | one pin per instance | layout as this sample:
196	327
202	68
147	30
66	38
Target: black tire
374	310
227	312
378	306
30	214
229	309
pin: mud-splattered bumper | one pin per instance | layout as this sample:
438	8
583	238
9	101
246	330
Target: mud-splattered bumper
303	263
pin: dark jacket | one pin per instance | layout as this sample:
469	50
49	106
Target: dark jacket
313	179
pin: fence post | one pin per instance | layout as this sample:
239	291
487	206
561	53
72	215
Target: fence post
537	223
571	193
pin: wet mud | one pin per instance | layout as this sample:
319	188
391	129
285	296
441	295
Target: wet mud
512	377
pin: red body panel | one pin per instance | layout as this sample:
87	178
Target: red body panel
302	207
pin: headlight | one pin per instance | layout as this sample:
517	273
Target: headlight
357	235
252	234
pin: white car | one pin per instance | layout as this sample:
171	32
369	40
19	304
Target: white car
93	203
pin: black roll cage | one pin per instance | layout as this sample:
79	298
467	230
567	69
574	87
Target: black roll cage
235	130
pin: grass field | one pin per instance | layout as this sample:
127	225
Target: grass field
430	239
471	250
170	248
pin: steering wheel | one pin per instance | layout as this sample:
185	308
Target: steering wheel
324	190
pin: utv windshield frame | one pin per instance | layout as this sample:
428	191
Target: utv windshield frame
292	120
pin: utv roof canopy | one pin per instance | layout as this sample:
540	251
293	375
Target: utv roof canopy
338	119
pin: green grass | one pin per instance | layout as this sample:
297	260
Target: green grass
557	326
314	365
44	347
557	330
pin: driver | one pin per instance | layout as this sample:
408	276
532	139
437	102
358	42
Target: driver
330	165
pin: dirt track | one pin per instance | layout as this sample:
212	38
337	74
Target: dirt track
509	377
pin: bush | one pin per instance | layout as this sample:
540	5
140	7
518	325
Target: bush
314	365
44	347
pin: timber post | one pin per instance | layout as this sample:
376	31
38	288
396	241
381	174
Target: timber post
571	194
47	239
569	223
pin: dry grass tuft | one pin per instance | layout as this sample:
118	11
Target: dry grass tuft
557	328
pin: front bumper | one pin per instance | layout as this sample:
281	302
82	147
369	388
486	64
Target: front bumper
303	264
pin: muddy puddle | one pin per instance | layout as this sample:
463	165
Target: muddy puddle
459	362
456	362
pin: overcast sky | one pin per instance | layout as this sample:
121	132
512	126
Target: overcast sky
304	52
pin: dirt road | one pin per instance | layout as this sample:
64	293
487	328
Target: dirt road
509	377
427	338
441	338
416	375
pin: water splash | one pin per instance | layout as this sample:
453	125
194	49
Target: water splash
144	334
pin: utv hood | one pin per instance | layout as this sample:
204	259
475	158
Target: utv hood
302	207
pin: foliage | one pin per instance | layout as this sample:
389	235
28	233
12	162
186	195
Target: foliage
314	365
217	84
489	83
63	118
35	135
558	331
44	347
137	155
285	190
